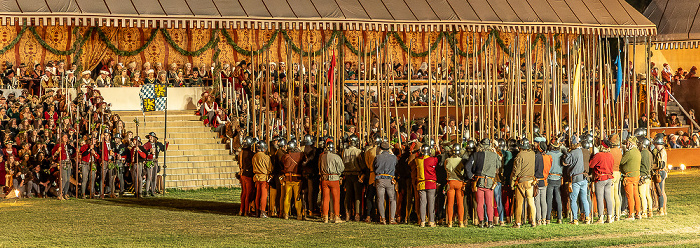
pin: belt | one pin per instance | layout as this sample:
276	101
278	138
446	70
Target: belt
291	175
352	173
386	175
427	180
552	174
65	160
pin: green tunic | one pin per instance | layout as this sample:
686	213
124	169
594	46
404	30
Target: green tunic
630	163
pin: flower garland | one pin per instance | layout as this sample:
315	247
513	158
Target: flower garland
51	49
244	52
15	41
184	52
118	52
79	48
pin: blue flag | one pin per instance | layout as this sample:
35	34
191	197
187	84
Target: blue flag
618	83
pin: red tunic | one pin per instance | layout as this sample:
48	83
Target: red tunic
426	172
602	166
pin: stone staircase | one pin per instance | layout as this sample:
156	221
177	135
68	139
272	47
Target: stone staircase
195	157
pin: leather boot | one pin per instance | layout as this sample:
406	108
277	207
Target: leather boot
338	220
461	224
650	214
449	223
431	224
490	224
382	221
422	224
325	219
611	219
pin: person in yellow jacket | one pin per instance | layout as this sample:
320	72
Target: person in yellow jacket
262	167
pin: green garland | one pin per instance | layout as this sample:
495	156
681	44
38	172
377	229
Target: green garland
415	54
244	52
118	52
15	41
76	48
318	52
79	48
353	50
184	52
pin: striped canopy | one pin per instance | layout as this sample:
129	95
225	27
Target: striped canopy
677	22
612	17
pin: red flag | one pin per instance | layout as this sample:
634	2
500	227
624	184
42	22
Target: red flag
331	73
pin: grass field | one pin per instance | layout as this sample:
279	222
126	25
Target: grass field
205	218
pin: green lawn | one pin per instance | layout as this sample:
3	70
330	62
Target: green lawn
205	218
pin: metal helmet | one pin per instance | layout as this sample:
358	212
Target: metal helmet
643	143
471	145
524	144
255	140
425	150
659	140
512	143
260	146
330	147
640	132
281	143
308	140
566	128
292	144
485	142
353	140
377	140
432	143
536	130
586	144
456	149
501	144
247	142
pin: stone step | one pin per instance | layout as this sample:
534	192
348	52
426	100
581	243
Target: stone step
175	112
181	147
205	180
200	170
174	158
206	134
171	123
130	119
201	164
221	152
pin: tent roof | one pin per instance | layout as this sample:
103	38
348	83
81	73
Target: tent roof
614	17
676	20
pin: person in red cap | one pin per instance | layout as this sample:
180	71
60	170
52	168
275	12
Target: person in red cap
153	148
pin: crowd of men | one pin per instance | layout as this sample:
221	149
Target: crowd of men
492	182
55	145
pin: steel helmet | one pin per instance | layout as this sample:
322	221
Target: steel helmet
353	140
292	144
425	150
330	147
644	143
456	149
260	146
524	144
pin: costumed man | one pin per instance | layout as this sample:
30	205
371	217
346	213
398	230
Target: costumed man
522	178
601	168
104	80
385	170
616	152
508	152
62	153
554	181
85	79
629	167
311	175
106	157
481	168
138	156
543	163
88	166
455	195
660	172
426	185
292	179
48	80
262	167
280	149
153	149
645	178
245	175
331	166
579	183
120	154
351	176
369	176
